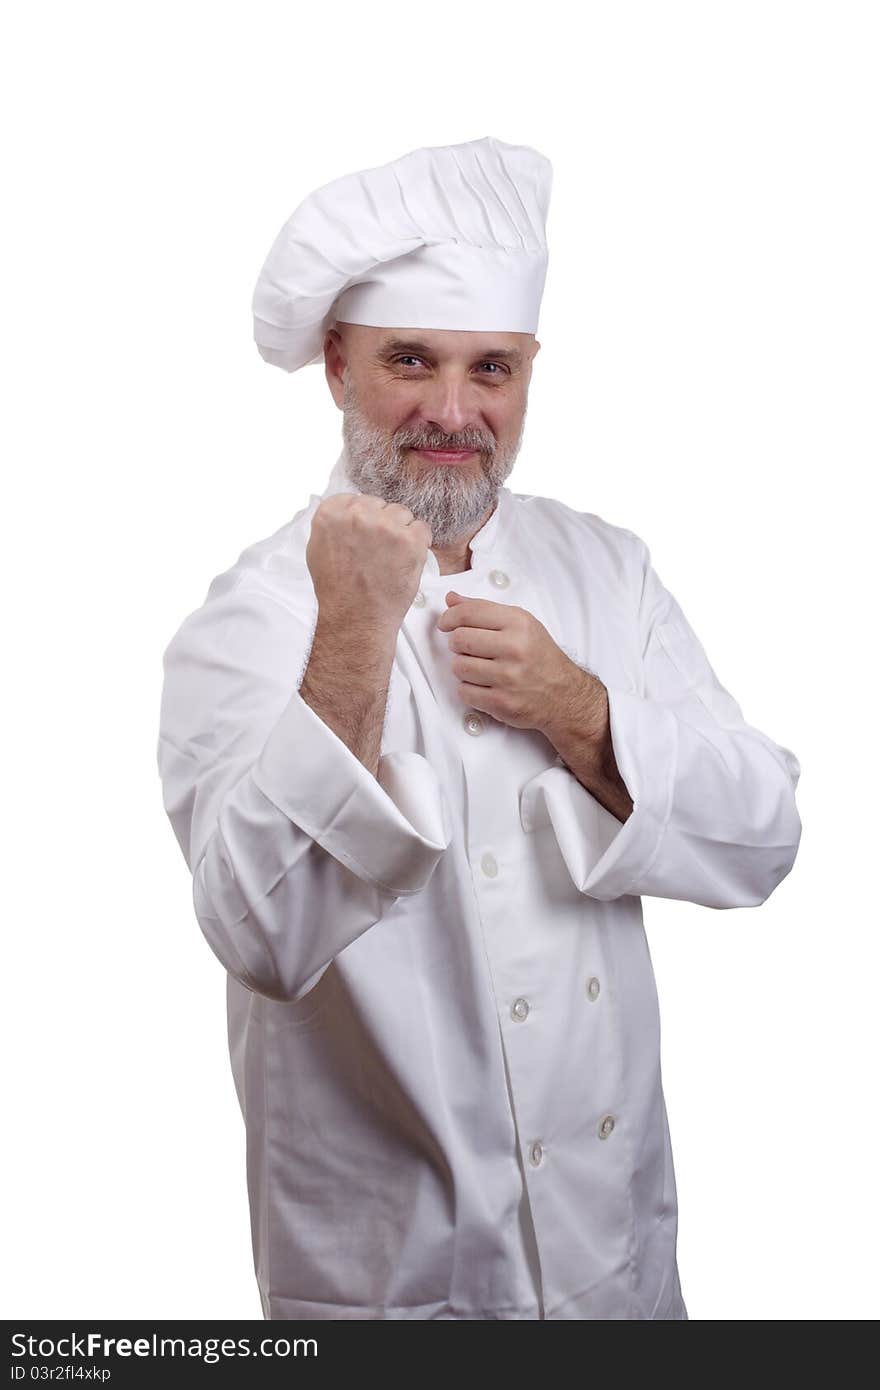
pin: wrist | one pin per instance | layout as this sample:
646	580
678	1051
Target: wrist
576	722
355	639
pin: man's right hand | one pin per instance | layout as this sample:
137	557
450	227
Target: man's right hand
366	557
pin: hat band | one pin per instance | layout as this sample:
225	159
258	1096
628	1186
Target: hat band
451	285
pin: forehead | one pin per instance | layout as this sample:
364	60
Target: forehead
440	343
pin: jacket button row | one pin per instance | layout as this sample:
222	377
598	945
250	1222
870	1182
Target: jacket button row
592	988
536	1148
519	1009
473	722
496	577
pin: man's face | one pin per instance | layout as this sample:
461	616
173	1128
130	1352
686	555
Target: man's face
407	391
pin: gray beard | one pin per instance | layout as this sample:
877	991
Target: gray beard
449	499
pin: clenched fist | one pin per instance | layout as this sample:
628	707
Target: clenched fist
366	557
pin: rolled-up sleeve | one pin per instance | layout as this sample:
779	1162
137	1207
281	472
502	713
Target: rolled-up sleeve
714	817
294	847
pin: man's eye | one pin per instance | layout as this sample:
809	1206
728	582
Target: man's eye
407	357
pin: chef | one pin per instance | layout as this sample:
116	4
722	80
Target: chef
425	750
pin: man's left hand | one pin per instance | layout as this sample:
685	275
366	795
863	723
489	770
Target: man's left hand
508	666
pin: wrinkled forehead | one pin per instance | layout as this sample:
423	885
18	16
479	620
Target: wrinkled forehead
437	343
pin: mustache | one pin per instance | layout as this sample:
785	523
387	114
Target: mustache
437	441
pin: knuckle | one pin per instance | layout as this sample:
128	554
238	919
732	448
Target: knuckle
363	516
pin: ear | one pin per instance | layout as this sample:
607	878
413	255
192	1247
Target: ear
335	363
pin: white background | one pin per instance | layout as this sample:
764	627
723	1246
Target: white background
708	378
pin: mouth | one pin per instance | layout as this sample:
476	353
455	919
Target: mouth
447	455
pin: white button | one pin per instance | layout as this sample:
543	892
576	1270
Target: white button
489	865
536	1153
499	579
473	722
593	988
419	601
519	1009
605	1126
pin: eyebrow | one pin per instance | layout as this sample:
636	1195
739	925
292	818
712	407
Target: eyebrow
420	349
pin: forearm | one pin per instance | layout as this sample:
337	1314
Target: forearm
346	684
579	729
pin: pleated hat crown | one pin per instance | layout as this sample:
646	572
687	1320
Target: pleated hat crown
449	236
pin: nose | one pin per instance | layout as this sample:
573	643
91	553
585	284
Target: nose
450	405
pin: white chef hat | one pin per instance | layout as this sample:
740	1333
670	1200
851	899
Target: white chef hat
450	236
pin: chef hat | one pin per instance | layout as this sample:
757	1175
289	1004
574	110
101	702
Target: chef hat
450	236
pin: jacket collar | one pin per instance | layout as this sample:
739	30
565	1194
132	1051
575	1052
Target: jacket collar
483	544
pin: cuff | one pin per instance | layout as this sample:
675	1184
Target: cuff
606	858
390	830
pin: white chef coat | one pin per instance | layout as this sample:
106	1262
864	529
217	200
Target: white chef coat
443	1020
